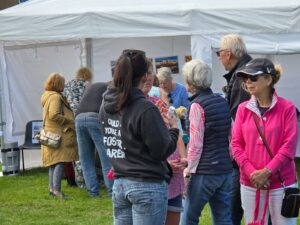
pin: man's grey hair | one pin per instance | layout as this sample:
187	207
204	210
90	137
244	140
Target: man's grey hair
197	74
235	44
164	73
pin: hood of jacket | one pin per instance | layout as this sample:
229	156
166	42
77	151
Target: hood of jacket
46	95
110	99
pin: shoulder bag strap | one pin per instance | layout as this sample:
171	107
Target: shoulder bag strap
262	135
265	207
257	203
266	143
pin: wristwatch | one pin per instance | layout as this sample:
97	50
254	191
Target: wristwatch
186	175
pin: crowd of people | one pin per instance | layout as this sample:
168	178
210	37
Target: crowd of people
152	175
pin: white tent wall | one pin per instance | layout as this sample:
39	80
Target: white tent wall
25	69
105	50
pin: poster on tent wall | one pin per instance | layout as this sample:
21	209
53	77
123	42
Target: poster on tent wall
171	62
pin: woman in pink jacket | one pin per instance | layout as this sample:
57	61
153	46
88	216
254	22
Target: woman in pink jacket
277	119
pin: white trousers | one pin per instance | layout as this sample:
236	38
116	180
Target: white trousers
274	207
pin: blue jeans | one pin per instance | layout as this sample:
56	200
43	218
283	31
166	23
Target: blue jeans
236	204
175	204
212	189
139	202
88	137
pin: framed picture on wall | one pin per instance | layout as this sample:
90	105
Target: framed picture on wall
187	58
170	61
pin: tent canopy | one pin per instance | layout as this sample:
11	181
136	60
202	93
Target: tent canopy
41	36
56	19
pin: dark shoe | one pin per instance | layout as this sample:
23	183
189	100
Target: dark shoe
51	193
71	182
94	195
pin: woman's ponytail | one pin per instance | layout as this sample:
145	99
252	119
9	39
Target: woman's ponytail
130	68
122	80
278	73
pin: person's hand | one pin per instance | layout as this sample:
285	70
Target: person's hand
177	165
172	121
162	106
182	163
260	178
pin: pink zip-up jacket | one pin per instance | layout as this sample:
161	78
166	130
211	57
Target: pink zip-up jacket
279	125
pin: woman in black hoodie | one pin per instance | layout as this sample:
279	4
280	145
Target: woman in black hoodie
138	144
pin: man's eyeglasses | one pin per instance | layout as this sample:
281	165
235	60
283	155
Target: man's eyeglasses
218	52
251	78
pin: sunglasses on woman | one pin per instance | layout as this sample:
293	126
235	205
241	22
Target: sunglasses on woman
251	78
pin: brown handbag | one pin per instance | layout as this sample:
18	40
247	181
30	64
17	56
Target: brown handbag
291	199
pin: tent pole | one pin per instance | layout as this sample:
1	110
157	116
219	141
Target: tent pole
2	123
88	47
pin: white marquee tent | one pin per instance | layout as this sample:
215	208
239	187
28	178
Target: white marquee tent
43	36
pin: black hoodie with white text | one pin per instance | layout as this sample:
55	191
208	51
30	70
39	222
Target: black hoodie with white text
136	138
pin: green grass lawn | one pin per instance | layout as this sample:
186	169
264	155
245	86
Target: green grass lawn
24	200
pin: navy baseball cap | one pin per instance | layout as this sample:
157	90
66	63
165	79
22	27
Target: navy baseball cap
257	67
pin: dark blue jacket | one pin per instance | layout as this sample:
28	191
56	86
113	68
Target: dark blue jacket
215	158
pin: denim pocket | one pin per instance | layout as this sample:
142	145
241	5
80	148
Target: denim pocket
149	202
142	202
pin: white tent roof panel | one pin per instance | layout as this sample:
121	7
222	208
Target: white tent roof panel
140	18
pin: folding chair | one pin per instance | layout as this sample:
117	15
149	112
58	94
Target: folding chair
32	128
